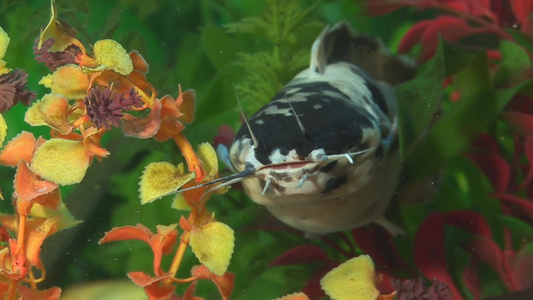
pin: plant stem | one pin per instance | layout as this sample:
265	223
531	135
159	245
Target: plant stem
193	163
12	288
179	254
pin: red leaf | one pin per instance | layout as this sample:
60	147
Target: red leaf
450	28
470	221
471	279
521	265
524	205
301	255
225	136
522	122
495	168
528	151
522	10
377	242
429	252
381	7
413	36
488	252
487	143
224	283
31	294
312	287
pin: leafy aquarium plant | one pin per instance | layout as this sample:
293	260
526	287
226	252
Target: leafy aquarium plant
93	139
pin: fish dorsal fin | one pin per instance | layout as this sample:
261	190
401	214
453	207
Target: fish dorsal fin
339	43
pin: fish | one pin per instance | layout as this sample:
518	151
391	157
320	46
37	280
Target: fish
323	155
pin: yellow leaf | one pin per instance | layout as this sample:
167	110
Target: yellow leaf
60	31
3	129
160	179
69	81
64	217
113	56
208	156
180	203
4	42
115	289
213	245
354	279
295	296
61	161
51	110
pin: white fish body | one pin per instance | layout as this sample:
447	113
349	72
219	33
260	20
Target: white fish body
335	165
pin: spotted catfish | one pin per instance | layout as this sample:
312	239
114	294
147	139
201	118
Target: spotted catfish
322	155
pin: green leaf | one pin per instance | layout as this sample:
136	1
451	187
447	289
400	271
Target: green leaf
417	100
220	48
515	64
523	39
517	226
474	78
463	122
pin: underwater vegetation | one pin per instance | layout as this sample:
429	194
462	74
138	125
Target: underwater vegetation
107	107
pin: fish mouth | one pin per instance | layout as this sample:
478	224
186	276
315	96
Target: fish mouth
288	165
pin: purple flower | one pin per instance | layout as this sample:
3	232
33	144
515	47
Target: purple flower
105	105
53	60
13	89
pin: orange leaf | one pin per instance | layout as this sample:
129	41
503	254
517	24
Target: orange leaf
20	147
189	293
185	225
37	229
52	110
160	242
28	186
224	283
187	105
170	114
152	286
143	128
139	63
31	294
142	279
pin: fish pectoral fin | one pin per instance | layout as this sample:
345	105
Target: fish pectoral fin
392	228
223	155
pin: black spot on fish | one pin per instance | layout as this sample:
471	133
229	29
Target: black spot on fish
334	183
377	96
